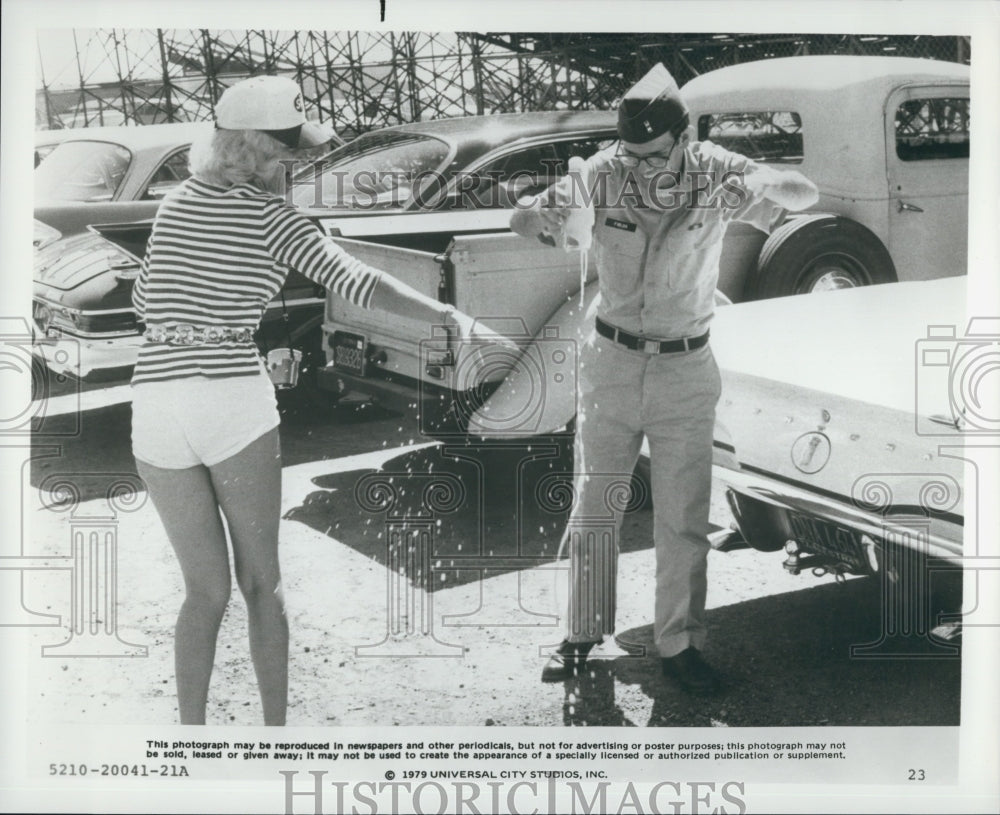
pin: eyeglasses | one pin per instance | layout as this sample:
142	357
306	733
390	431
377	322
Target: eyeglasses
657	162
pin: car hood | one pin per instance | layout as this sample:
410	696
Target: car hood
858	344
835	401
71	262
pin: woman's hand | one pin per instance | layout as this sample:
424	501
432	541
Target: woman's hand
470	328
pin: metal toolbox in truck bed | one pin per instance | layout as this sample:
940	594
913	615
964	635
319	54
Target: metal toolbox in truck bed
511	284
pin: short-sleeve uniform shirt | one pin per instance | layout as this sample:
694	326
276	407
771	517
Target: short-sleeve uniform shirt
657	248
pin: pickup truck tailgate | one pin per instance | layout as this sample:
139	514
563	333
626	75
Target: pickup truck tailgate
511	284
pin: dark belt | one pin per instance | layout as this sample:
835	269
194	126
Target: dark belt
637	343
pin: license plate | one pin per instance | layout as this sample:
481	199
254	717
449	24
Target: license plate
349	352
824	538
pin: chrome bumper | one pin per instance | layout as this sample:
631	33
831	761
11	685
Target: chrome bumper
943	541
89	358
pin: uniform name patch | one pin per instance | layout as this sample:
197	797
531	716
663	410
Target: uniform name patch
628	226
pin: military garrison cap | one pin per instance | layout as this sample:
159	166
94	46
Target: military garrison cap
652	107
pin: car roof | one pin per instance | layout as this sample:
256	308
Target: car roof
842	103
829	72
474	136
505	127
137	137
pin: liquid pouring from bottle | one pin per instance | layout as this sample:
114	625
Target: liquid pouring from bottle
579	226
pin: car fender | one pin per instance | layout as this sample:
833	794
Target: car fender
554	405
813	238
552	387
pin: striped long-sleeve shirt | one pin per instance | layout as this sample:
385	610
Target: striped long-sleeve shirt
215	258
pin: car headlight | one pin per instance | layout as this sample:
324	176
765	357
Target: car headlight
44	235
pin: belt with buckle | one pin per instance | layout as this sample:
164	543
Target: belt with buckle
183	334
637	343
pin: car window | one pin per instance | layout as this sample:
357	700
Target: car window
524	171
531	169
168	175
81	171
765	135
375	171
584	148
932	129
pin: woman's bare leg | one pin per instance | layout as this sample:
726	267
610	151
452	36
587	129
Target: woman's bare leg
248	488
186	503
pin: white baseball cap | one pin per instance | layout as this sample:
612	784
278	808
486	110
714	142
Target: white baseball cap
272	104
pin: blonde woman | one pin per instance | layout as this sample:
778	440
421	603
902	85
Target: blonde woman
205	424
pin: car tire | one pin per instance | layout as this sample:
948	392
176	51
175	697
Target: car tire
819	253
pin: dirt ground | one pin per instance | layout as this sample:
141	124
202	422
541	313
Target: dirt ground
483	606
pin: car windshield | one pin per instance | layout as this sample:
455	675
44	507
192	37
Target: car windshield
375	171
81	171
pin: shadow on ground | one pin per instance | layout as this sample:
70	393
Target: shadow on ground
787	660
478	511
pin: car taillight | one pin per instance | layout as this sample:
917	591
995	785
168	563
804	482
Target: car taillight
42	316
127	275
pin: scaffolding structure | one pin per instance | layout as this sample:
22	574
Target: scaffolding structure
360	80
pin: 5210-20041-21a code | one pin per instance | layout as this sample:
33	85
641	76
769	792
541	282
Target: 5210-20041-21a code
139	770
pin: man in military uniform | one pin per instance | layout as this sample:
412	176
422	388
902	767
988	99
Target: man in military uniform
662	203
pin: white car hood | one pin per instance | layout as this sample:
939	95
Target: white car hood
863	344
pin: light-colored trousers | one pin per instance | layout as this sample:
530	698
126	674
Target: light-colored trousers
671	399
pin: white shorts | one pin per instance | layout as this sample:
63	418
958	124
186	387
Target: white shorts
197	420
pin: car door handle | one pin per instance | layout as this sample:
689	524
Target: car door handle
902	206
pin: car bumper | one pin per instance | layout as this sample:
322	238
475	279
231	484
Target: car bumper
442	412
89	359
937	538
434	405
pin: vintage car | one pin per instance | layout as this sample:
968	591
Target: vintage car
839	434
83	282
885	139
840	440
96	183
106	174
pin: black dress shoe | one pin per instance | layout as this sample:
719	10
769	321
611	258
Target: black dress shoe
567	661
691	671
